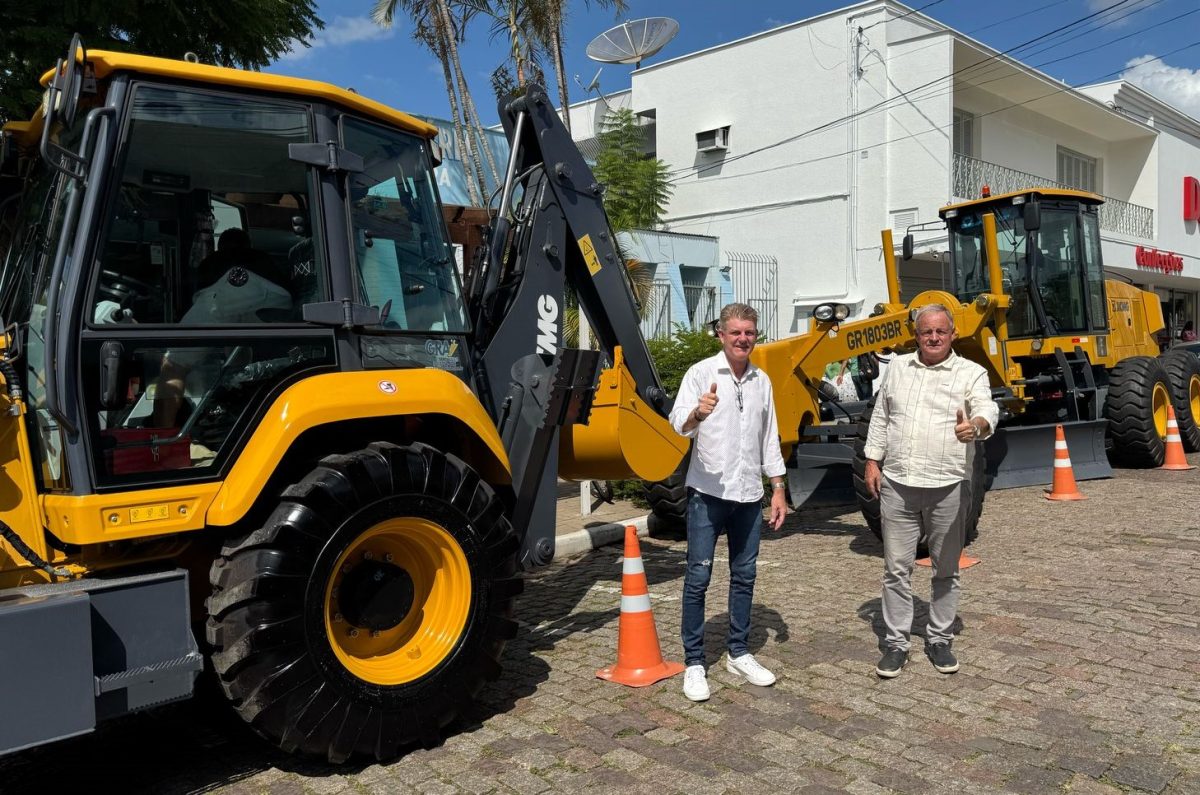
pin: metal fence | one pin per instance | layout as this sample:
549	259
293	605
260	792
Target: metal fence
701	301
656	319
756	282
969	174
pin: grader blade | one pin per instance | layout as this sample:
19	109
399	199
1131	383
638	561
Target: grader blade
1024	455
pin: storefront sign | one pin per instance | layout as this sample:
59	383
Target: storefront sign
1191	199
1155	260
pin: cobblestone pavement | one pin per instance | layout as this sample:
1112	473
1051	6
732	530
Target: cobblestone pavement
1080	645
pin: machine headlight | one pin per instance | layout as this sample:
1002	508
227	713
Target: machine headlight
825	313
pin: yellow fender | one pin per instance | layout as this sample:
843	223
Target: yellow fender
335	397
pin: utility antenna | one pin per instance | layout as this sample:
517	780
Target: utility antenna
632	41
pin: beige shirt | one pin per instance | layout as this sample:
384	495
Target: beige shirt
739	442
912	427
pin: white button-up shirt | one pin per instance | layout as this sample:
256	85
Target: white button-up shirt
739	442
916	409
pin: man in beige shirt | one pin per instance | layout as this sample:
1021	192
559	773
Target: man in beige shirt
932	407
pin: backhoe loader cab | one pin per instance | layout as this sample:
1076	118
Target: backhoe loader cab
245	386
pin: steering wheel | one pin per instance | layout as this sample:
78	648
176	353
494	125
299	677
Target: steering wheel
122	288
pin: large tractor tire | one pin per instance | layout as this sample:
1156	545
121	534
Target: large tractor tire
668	500
1136	410
370	608
869	504
1183	379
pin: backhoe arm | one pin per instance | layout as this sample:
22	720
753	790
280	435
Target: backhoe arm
550	232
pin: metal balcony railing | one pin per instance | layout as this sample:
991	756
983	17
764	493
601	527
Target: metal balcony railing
969	174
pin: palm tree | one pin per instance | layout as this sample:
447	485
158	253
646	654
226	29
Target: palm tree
434	26
523	23
555	18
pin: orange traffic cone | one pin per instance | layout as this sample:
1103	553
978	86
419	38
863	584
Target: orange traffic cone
1063	487
965	561
1175	458
639	658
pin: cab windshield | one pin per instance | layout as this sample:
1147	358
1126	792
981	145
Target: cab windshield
405	263
1063	267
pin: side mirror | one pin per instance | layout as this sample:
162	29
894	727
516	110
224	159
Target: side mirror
906	248
1032	216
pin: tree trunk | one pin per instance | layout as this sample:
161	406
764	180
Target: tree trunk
459	137
560	72
443	12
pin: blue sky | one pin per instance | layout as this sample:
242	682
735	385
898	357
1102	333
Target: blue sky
389	66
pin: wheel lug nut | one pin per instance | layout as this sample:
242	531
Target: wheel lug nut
368	555
346	568
337	618
353	633
374	633
388	557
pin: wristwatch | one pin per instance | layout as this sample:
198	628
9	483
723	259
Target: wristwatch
779	485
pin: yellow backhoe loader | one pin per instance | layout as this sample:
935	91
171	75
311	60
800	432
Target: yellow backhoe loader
253	411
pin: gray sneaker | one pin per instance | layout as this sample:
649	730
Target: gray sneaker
891	662
942	658
695	683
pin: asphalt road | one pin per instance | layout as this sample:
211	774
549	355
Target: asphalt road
1080	645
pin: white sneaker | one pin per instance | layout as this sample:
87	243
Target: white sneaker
695	683
750	668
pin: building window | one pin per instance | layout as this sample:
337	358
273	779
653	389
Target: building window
964	133
1078	171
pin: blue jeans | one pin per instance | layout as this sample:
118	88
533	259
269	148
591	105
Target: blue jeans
741	522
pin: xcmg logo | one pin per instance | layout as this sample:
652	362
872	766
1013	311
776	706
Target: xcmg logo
547	337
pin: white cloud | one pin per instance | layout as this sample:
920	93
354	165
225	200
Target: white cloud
338	33
1175	85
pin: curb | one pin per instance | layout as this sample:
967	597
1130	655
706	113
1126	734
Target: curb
600	535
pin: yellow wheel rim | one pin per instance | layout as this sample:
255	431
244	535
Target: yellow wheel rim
1193	396
431	629
1160	399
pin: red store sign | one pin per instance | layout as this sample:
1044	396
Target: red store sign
1155	260
1191	199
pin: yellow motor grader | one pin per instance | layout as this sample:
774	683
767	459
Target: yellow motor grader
255	413
1061	343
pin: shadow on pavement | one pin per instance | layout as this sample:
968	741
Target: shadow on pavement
872	612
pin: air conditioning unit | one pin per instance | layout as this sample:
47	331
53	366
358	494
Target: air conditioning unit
713	140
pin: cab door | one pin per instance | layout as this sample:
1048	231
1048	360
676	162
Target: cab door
210	248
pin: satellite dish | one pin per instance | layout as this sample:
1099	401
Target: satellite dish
632	41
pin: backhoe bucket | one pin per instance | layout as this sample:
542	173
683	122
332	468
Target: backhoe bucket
624	437
1023	455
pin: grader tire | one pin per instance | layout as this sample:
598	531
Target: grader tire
1136	410
869	504
668	500
370	608
1183	379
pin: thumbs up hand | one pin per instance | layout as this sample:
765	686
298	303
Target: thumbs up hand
964	429
708	402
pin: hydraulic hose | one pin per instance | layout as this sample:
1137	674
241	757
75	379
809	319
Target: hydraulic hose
30	556
13	382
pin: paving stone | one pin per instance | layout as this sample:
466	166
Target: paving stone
1143	772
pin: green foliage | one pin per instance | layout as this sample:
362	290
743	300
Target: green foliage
244	33
675	354
637	188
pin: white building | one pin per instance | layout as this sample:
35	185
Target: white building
801	143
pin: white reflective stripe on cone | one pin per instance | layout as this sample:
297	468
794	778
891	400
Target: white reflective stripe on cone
636	604
1060	445
1062	462
1174	438
632	566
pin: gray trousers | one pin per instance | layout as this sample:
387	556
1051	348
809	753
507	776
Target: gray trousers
907	513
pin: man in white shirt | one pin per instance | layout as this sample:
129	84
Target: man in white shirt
725	405
932	407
